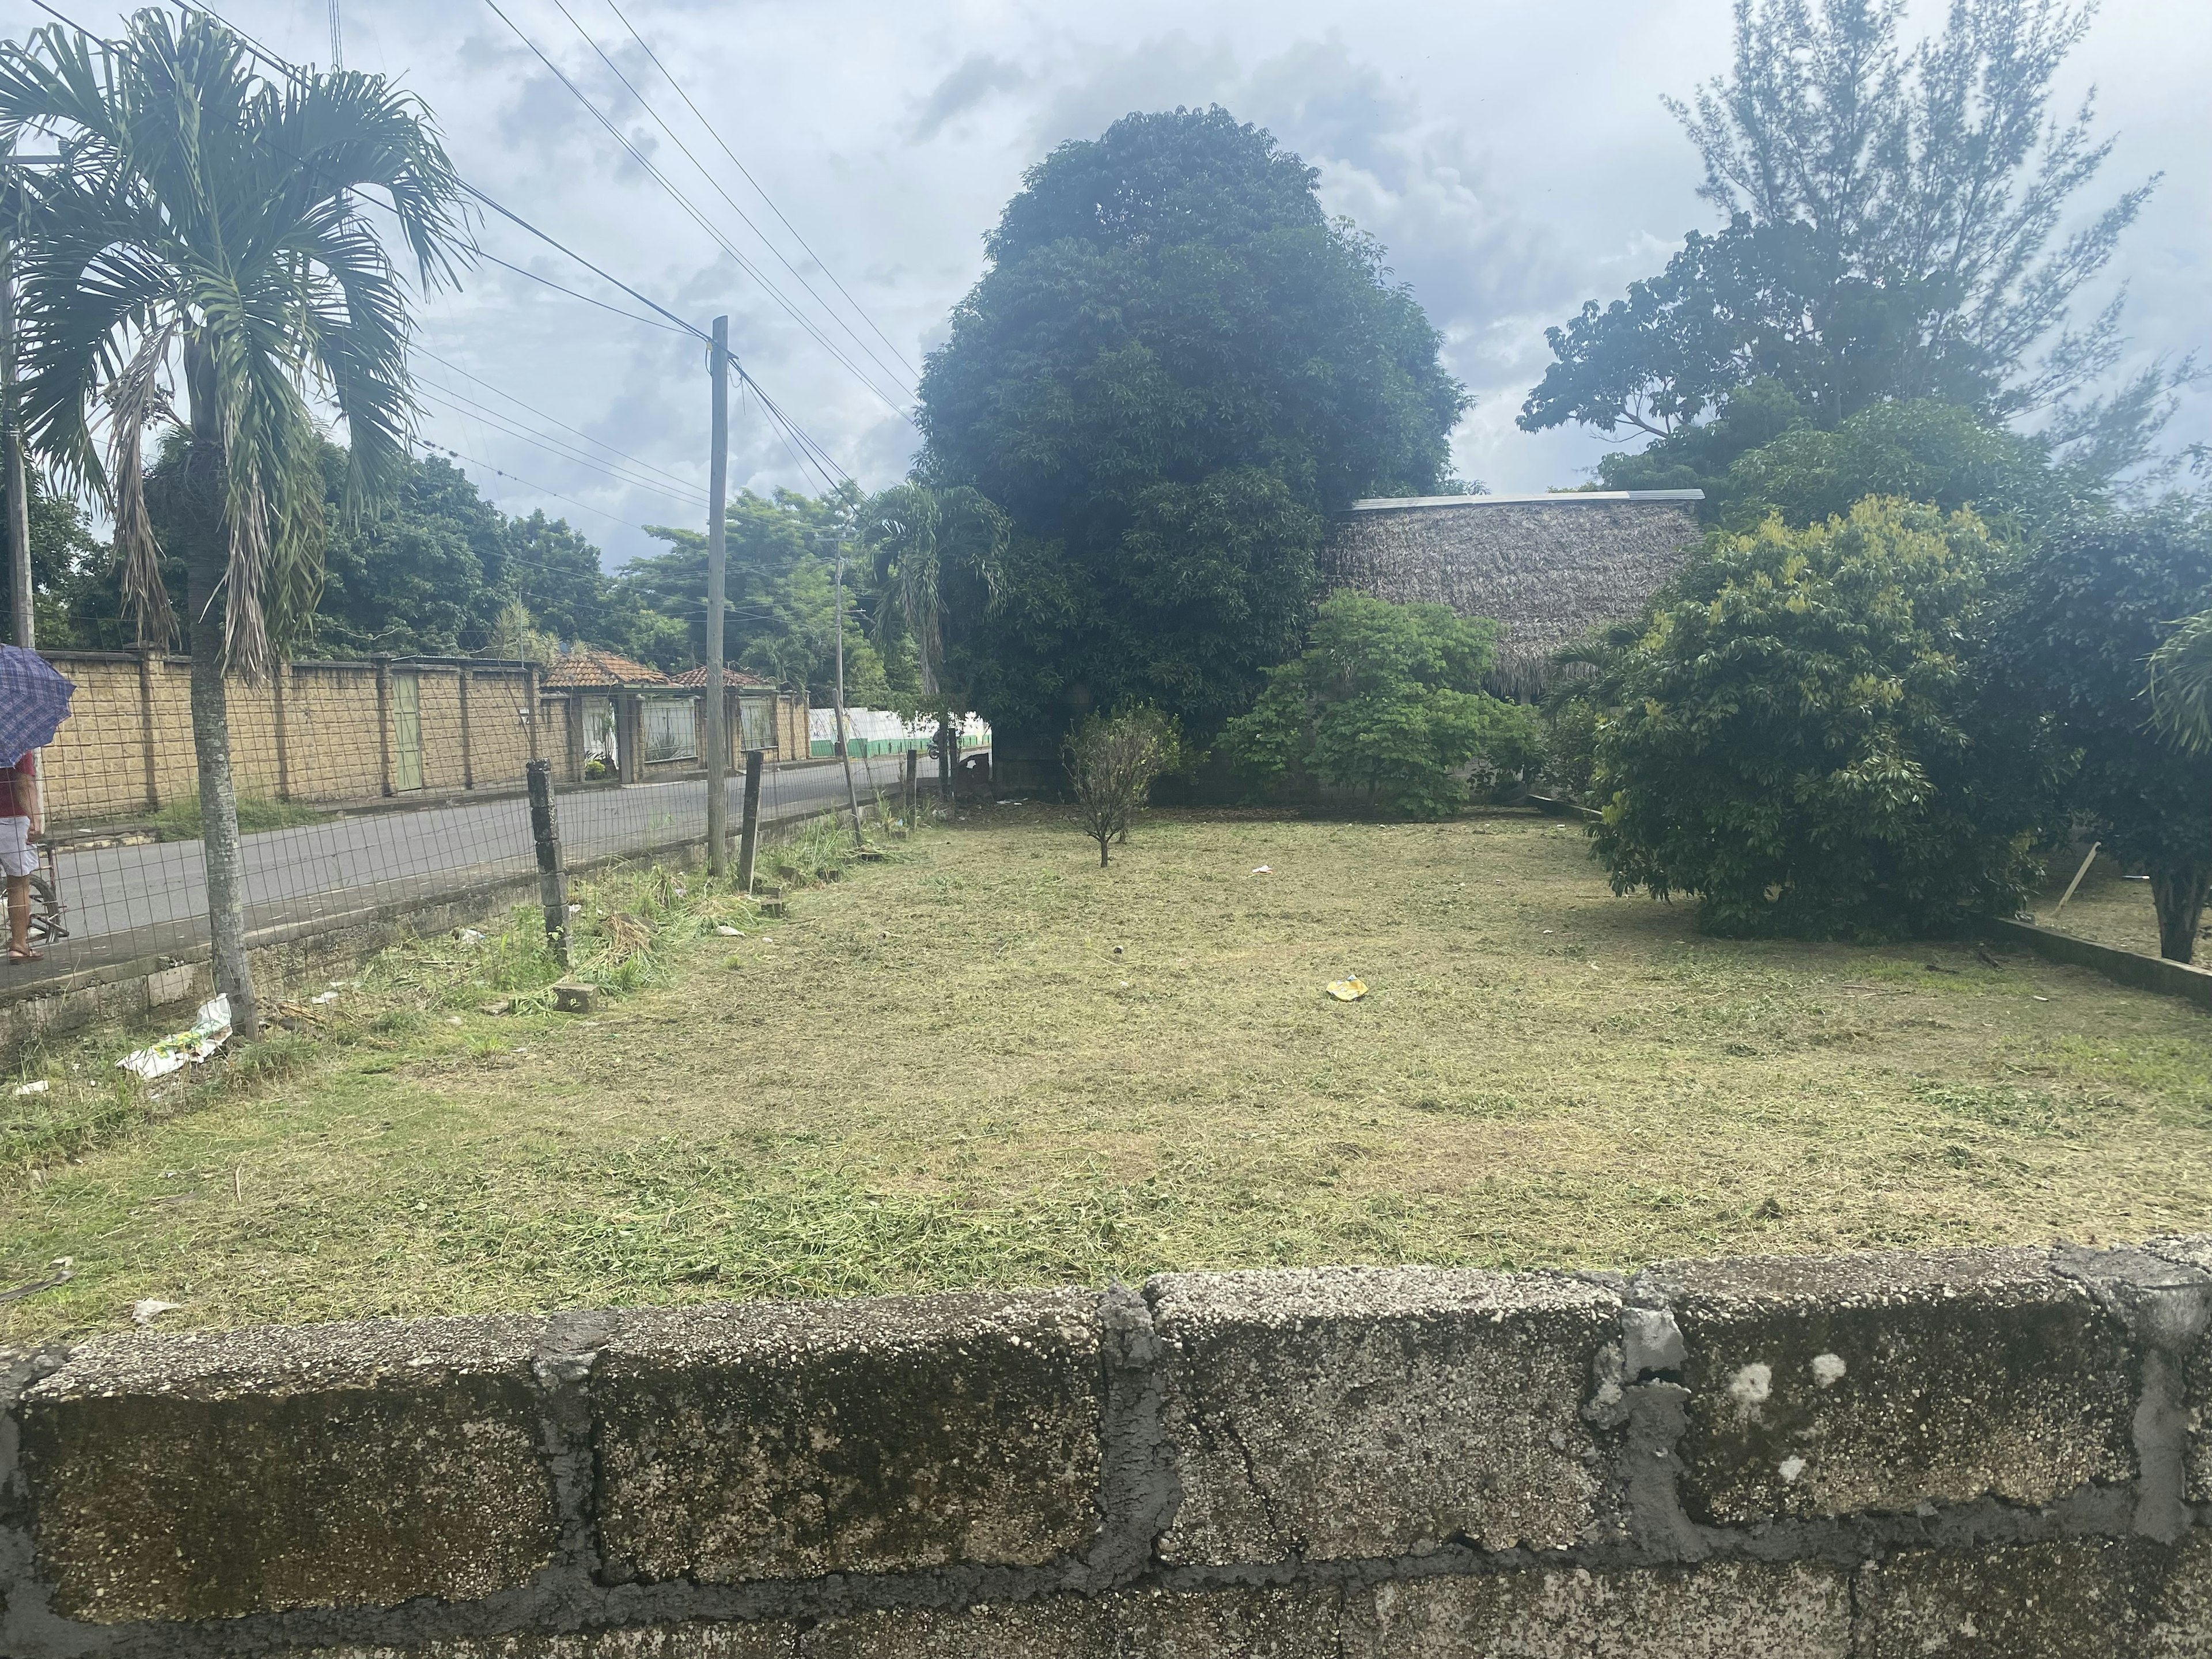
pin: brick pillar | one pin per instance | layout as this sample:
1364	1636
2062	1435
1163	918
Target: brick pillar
468	762
277	676
530	711
145	654
384	720
629	736
573	710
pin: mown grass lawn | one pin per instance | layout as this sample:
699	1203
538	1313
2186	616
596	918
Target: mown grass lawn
940	1071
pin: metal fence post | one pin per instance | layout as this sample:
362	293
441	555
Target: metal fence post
552	876
749	829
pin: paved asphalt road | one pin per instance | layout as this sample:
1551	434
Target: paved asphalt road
125	901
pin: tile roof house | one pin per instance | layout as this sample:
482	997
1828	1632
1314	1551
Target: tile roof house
1550	567
696	680
593	667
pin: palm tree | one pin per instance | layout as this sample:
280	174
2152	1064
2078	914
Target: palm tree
938	554
205	229
2181	684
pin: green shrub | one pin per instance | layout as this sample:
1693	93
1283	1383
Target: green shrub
1803	738
1386	704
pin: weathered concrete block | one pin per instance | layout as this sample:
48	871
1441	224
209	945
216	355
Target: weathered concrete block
685	1641
208	1474
1274	1622
2196	1252
1057	1627
1725	1610
790	1439
1826	1385
1345	1412
2074	1598
1286	1621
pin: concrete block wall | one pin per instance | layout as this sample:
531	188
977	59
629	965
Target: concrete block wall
2002	1452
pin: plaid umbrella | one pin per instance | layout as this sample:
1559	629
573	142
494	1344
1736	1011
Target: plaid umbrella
34	700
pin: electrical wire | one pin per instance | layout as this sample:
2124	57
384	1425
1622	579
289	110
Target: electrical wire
492	420
683	489
635	460
558	287
747	177
746	218
444	449
696	217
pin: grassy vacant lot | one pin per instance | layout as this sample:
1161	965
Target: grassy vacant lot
940	1071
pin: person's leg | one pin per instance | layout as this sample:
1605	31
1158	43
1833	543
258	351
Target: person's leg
19	918
17	861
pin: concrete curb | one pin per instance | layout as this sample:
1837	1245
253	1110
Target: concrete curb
2129	968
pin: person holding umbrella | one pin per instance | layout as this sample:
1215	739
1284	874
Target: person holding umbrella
34	700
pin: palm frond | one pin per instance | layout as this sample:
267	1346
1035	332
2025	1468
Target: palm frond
2181	684
200	205
135	401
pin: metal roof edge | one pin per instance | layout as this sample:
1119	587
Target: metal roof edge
1379	503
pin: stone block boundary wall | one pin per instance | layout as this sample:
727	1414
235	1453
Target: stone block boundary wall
2001	1452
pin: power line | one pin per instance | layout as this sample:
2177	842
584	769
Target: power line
746	173
627	316
443	449
602	443
552	242
615	70
498	424
693	213
819	458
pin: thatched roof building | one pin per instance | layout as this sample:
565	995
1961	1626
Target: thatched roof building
1549	567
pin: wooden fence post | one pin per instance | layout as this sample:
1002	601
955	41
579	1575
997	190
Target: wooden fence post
749	828
552	875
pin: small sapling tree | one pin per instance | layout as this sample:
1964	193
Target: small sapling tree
1112	761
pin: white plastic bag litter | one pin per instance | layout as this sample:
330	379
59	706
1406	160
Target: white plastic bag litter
209	1030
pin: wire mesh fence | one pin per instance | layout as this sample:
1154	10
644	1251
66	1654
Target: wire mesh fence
362	789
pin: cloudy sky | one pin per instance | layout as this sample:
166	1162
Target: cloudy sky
1512	155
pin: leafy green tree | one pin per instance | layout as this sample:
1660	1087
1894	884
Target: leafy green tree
203	213
555	571
2087	610
937	558
422	575
1893	233
65	562
1175	367
1386	704
1112	761
781	597
1804	739
1940	454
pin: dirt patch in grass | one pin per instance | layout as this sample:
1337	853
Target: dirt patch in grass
939	1072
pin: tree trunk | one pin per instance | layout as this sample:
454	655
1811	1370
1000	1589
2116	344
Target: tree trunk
944	743
207	562
2178	890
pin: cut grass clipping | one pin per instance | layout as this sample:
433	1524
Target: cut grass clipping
985	1062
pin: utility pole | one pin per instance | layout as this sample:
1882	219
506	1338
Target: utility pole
20	597
718	479
844	750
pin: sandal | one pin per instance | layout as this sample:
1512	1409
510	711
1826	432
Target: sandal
26	954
